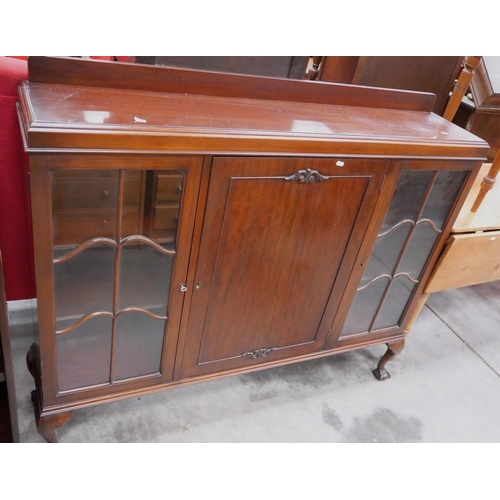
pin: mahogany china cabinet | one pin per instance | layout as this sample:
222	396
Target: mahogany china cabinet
190	225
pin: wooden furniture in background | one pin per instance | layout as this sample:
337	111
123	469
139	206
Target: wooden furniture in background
454	261
468	259
310	216
472	254
435	74
9	427
163	195
482	117
83	205
462	84
487	182
314	68
274	66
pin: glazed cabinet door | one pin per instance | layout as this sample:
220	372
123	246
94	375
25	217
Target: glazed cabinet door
277	238
387	277
112	239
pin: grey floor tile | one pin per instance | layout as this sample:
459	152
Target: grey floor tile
441	390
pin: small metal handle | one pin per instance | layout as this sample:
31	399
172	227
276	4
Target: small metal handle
105	193
183	287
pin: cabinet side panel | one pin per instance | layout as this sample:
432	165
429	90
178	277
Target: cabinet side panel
40	181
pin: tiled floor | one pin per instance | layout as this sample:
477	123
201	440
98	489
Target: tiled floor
445	387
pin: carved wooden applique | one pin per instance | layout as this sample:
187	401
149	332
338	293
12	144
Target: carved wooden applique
258	353
306	176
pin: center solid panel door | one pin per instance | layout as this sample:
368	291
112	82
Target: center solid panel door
275	235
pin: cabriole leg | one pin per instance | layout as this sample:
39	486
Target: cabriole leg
393	349
48	425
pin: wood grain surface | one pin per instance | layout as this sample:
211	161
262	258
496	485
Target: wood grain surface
468	259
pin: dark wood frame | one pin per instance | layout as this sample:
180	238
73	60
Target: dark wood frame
364	254
41	166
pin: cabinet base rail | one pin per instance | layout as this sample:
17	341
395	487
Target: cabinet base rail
50	419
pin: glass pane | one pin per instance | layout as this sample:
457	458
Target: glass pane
386	253
161	201
138	345
84	283
145	272
421	243
145	275
84	354
443	195
84	205
394	303
364	307
408	197
134	202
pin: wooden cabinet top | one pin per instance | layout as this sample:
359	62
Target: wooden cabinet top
63	107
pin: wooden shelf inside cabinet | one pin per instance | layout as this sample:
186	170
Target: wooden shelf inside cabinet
247	220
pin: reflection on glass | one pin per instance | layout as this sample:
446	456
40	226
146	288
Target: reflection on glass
421	244
84	283
138	345
84	205
386	253
408	198
145	275
160	211
394	303
84	354
364	308
138	210
407	203
443	195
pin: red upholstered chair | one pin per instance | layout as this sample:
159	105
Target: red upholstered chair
16	241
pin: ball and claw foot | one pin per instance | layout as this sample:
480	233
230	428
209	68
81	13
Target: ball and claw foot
392	350
381	374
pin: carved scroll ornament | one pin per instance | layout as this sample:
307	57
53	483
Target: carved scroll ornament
306	176
258	353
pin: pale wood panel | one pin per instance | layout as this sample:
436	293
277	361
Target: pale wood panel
487	216
468	259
